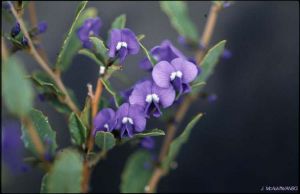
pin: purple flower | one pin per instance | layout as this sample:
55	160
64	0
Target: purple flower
121	43
212	98
91	26
42	27
105	120
147	143
130	119
152	97
226	54
12	147
164	52
179	73
15	30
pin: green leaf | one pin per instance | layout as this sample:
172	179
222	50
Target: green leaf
198	85
147	133
105	140
149	56
77	129
17	91
45	83
119	22
46	134
100	49
44	184
179	141
65	175
71	43
135	175
90	55
108	87
85	114
177	12
209	63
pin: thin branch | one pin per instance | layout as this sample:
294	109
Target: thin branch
4	50
67	99
172	128
34	22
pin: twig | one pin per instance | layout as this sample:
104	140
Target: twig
4	50
38	145
172	128
34	22
67	99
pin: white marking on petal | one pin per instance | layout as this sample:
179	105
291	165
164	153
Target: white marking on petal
127	120
175	74
121	44
91	33
155	98
106	126
149	98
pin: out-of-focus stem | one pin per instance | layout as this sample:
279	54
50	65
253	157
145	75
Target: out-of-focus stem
4	50
67	99
172	128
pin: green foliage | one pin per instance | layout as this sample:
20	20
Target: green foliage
179	141
100	49
45	83
135	175
44	184
71	43
119	22
105	140
209	62
90	55
77	129
46	134
178	14
65	175
108	87
17	91
85	114
147	133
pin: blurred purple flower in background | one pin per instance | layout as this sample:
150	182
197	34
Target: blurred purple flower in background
179	73
164	52
150	96
121	43
13	148
91	26
147	143
15	30
130	119
227	54
105	120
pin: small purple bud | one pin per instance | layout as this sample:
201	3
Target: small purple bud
41	97
42	27
227	4
24	41
15	30
227	54
181	40
212	98
6	6
147	143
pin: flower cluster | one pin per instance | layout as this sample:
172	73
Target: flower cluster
170	79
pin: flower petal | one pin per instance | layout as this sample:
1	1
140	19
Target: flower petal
188	69
166	95
161	74
132	44
114	38
137	114
140	92
122	112
103	117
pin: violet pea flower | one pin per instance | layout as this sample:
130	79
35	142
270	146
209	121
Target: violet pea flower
164	52
121	43
178	73
152	97
105	120
130	119
91	26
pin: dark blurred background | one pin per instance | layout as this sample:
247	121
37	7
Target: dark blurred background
249	135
